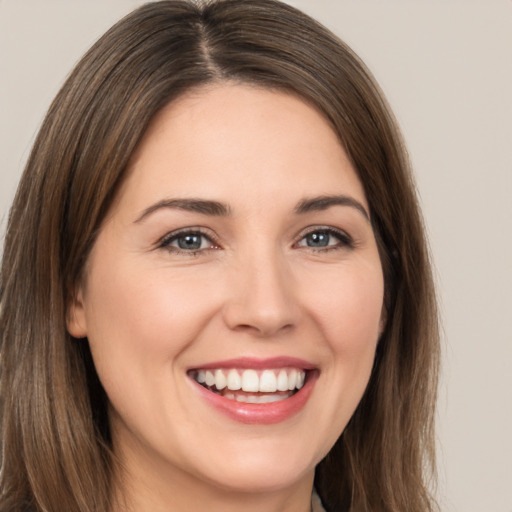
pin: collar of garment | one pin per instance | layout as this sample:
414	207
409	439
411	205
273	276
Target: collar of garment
316	503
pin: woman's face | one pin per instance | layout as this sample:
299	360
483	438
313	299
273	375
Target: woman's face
238	253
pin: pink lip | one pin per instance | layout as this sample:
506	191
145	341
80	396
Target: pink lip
263	414
258	364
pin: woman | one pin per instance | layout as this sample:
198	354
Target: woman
215	285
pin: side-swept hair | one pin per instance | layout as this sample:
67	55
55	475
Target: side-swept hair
56	446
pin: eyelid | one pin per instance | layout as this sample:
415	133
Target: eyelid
165	241
345	239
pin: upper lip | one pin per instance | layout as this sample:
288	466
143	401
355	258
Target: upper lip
257	363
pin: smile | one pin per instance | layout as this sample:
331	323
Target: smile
257	391
251	385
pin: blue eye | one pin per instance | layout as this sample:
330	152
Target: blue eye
192	242
187	241
325	239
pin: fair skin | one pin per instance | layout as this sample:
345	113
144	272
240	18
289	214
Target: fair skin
256	268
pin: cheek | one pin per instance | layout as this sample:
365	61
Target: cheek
144	311
349	307
349	315
347	311
139	323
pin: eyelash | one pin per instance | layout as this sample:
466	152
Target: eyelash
167	240
344	240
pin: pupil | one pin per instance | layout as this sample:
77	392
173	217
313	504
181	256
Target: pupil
190	242
318	239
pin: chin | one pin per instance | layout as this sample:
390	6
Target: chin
263	479
267	466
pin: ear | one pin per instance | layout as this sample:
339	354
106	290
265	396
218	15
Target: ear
76	318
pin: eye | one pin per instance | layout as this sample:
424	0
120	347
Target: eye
325	238
187	242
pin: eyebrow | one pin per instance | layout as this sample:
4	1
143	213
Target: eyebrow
202	206
324	202
218	209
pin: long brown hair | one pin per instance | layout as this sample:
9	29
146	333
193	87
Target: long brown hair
56	447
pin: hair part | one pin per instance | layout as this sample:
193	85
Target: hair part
56	446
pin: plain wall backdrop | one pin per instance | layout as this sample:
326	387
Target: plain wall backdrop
446	68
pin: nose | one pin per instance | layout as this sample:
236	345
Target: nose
262	299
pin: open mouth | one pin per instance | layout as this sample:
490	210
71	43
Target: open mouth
250	385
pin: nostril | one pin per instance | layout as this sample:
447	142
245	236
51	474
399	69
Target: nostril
263	329
259	320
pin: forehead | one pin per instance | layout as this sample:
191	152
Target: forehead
242	141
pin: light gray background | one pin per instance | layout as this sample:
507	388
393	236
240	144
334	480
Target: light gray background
445	66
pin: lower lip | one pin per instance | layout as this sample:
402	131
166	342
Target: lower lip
263	414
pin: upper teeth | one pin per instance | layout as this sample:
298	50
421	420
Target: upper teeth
267	381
